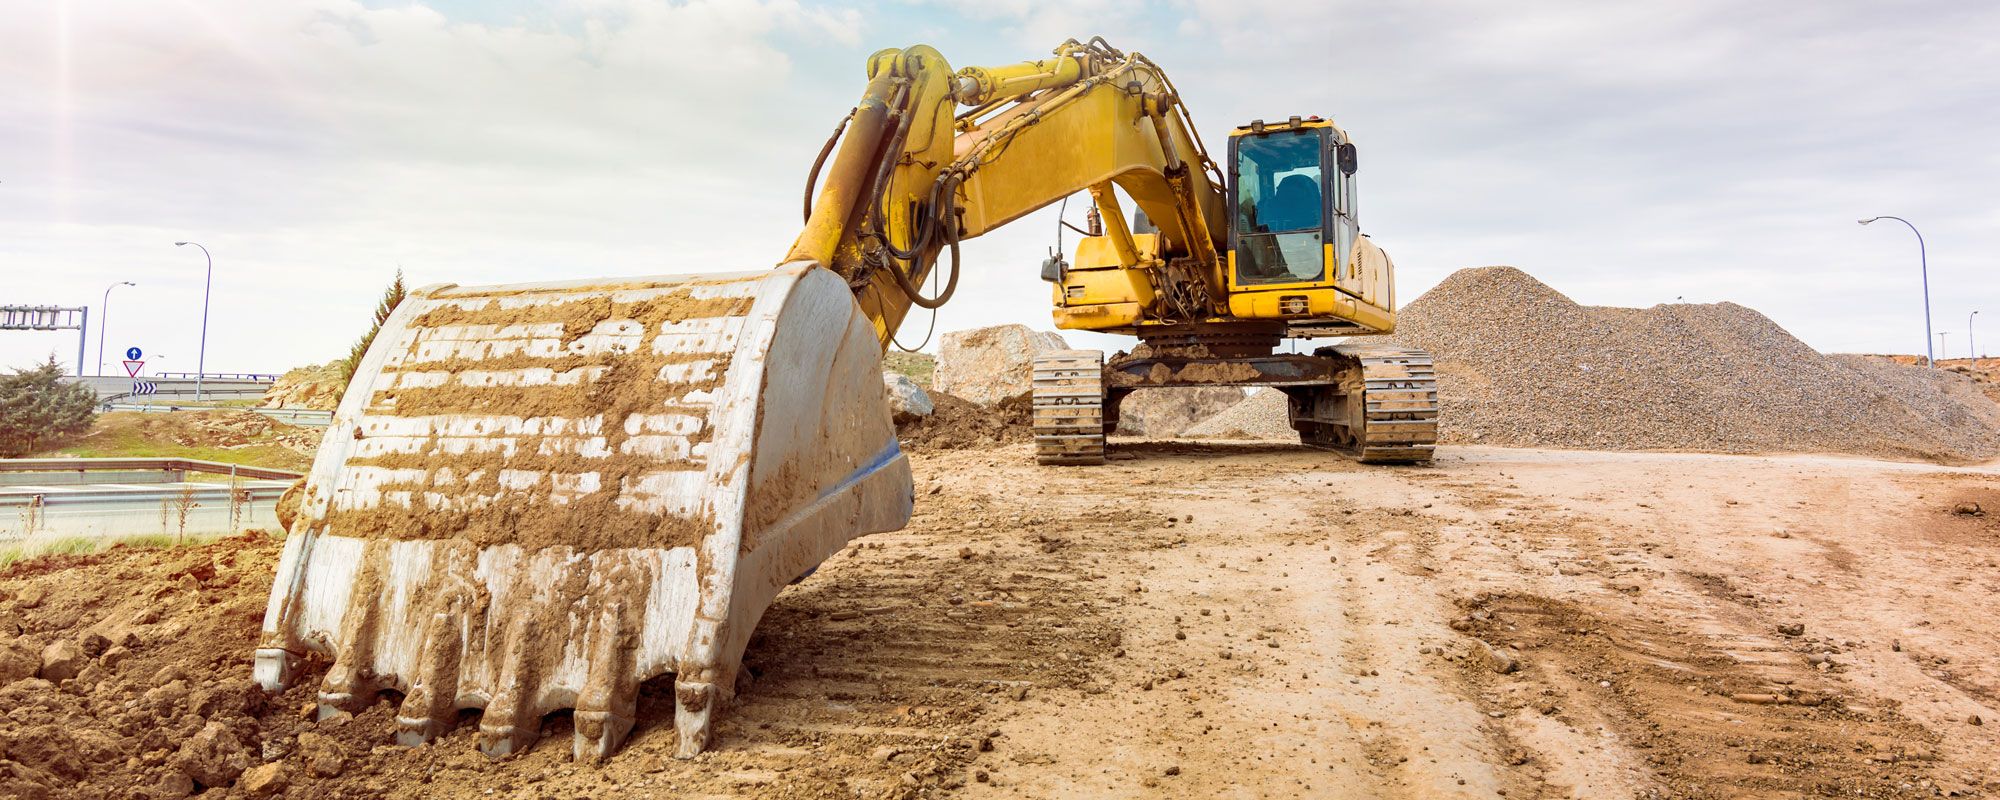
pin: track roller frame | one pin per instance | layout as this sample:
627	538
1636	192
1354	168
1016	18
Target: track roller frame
1068	401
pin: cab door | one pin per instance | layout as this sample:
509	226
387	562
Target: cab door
1279	206
1346	225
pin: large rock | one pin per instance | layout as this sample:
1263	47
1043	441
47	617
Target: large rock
263	781
322	755
907	401
18	660
62	659
213	756
991	365
1165	413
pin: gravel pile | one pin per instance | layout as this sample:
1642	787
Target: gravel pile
1262	415
1165	413
1520	364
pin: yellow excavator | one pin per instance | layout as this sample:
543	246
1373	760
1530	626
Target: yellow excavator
534	497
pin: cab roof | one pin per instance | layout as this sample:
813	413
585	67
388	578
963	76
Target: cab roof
1257	127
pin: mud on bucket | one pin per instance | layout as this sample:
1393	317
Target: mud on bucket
534	497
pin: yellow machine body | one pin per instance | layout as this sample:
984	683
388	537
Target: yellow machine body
536	497
1347	288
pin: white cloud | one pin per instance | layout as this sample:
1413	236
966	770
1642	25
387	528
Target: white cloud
1627	153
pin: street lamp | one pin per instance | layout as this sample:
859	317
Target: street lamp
201	358
1924	267
1971	348
105	315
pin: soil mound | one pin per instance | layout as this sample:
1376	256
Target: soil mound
1984	371
1520	364
206	428
311	387
956	423
137	681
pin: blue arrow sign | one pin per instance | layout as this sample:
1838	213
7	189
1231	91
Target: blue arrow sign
133	353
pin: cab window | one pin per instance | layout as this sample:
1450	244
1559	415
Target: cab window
1279	208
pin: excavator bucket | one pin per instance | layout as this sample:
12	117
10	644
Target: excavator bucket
534	497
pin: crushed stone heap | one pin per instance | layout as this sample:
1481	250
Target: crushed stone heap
1520	364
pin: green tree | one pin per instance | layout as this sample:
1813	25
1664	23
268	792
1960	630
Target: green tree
38	410
391	297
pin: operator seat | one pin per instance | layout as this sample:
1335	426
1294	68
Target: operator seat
1295	205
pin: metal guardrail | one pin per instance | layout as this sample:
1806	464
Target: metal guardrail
137	464
119	510
113	497
219	376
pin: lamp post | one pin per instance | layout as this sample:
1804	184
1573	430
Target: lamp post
1971	347
1924	268
201	358
105	317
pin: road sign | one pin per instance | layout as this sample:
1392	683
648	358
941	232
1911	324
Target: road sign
133	353
144	387
132	367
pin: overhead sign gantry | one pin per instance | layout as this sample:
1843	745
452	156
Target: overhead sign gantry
48	318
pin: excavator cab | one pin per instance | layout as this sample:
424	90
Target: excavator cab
1292	208
1295	246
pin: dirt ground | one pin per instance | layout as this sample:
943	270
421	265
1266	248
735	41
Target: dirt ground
1190	620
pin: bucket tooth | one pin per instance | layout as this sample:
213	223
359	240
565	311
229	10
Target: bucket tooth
350	683
608	704
428	710
536	497
511	724
694	705
274	668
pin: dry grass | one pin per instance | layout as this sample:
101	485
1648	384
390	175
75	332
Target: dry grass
134	434
81	545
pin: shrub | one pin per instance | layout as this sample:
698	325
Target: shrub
38	410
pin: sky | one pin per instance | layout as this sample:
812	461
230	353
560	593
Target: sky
1625	153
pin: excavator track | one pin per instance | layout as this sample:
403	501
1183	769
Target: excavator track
1384	410
1069	407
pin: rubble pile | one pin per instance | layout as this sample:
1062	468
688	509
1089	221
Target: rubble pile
1521	365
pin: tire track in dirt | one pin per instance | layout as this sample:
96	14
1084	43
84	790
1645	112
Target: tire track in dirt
1042	632
1665	602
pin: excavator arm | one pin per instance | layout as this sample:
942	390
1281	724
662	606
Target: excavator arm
912	178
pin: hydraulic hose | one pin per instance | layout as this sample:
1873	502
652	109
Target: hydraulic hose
942	218
812	178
